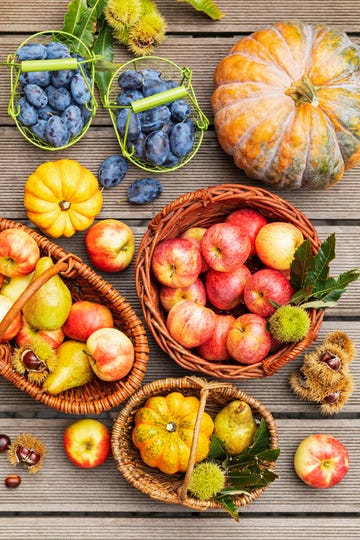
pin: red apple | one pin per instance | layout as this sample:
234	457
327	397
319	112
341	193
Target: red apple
176	262
19	252
266	285
250	221
87	443
26	333
225	289
276	244
224	247
248	340
85	317
169	296
190	323
214	349
111	353
15	325
321	461
110	244
195	234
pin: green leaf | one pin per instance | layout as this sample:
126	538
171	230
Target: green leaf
103	46
269	455
207	6
217	448
302	264
331	289
261	438
301	296
322	259
80	20
229	506
318	304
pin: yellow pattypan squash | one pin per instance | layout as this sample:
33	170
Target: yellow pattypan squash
62	197
164	429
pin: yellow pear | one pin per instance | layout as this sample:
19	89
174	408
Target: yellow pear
49	307
235	426
73	368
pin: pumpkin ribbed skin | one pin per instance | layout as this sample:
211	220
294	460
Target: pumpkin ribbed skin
287	105
62	197
164	430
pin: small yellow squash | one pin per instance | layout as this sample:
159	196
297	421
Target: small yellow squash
62	197
164	430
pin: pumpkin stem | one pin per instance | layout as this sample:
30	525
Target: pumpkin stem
303	91
171	427
64	205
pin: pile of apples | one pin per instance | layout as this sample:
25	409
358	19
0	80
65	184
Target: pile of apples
110	352
217	284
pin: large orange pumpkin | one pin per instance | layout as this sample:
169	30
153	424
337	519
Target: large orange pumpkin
287	105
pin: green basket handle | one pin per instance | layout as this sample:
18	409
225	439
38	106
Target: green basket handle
143	104
55	64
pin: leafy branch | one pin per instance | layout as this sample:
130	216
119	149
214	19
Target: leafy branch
247	471
309	276
206	6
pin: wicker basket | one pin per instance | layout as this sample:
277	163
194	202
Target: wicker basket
203	208
84	283
214	395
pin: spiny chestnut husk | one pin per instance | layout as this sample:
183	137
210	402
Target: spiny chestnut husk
35	360
28	450
327	363
300	385
345	342
334	400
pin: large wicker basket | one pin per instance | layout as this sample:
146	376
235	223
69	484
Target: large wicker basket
203	208
213	396
84	283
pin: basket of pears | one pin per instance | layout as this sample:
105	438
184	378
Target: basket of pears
67	337
203	444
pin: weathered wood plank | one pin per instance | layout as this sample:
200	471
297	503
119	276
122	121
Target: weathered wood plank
210	167
162	528
240	16
61	487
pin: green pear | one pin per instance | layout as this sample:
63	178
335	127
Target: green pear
235	426
50	306
73	368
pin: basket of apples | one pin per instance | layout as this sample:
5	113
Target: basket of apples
213	271
67	337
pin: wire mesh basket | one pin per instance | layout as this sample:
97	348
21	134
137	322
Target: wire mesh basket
80	60
178	87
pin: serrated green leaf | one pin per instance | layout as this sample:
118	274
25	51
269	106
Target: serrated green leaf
80	20
302	263
269	455
217	448
103	46
229	506
207	6
322	259
301	296
331	289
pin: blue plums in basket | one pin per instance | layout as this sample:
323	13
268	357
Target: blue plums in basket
157	120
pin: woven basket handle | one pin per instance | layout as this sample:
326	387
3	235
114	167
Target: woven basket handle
204	392
33	286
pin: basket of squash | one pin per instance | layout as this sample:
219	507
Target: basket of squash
44	339
202	444
201	307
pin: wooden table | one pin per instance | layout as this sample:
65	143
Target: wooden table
65	502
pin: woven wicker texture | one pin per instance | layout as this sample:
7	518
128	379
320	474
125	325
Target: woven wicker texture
203	208
153	482
84	284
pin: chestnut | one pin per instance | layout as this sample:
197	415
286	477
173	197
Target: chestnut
4	442
12	481
331	359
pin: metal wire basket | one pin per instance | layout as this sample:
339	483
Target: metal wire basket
183	90
82	59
